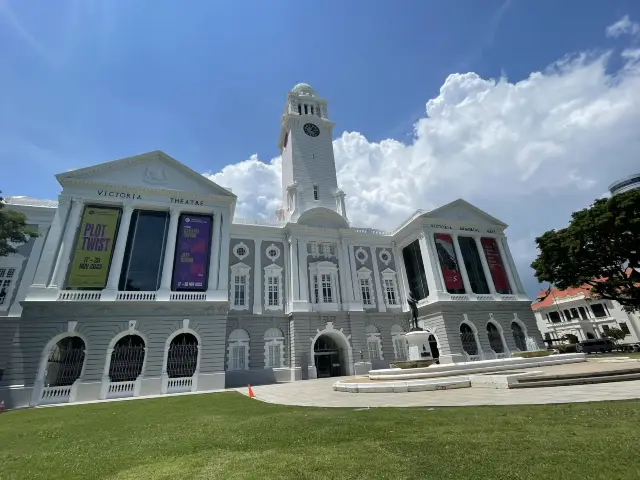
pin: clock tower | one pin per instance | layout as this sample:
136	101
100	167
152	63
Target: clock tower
309	181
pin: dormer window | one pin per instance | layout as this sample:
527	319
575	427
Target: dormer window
316	195
299	109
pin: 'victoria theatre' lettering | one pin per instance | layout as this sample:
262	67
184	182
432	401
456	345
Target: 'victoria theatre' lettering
105	193
186	201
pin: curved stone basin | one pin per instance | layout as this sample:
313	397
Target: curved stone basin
482	366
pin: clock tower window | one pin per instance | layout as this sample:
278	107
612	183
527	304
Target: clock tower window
299	109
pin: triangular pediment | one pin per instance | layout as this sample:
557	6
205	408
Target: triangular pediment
462	211
154	170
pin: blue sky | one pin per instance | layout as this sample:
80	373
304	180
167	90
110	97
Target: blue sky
82	82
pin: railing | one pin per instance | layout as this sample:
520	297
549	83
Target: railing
473	358
78	296
503	355
188	296
55	394
485	298
509	297
176	385
370	231
121	389
258	221
460	298
136	296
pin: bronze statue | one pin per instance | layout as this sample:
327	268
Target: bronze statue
413	305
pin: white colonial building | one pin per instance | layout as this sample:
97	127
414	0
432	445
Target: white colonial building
576	311
144	282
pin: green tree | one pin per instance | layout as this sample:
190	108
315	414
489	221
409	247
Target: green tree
615	334
597	248
13	229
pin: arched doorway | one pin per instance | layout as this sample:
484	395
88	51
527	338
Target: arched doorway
127	359
433	345
590	336
495	338
469	342
65	362
182	357
519	337
329	359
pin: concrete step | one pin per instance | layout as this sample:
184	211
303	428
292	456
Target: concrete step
571	376
530	383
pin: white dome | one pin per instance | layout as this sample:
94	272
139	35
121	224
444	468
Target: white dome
303	89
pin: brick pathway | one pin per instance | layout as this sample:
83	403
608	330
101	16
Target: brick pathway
319	393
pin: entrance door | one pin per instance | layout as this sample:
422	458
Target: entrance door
328	358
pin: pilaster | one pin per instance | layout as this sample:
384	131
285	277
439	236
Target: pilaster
50	250
29	271
64	255
111	290
512	271
257	275
382	305
164	294
485	266
463	268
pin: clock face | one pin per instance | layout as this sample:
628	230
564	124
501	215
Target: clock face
311	129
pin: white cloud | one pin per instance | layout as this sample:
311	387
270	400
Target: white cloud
528	152
624	26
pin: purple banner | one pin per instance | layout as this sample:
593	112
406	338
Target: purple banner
192	253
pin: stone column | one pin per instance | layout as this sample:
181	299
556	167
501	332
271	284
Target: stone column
110	291
295	282
169	255
52	245
463	268
343	273
287	277
214	258
66	249
29	271
257	275
485	266
382	305
357	293
431	266
304	270
223	275
404	282
512	271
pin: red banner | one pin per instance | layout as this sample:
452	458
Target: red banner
448	262
494	259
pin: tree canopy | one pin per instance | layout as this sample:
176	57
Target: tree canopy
13	229
600	248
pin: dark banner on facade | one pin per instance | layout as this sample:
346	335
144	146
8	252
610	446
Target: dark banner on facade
448	261
494	259
92	256
190	268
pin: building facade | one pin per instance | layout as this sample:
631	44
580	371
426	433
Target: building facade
147	283
632	182
576	312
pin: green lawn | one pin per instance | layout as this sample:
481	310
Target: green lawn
229	436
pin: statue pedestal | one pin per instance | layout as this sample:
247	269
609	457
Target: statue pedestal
419	348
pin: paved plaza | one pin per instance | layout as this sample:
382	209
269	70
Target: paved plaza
320	393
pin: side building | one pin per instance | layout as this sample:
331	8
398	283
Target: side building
148	284
575	311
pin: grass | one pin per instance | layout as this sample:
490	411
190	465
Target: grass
229	436
534	354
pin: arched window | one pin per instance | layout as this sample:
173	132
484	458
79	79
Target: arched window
65	362
399	342
238	353
495	339
127	359
519	337
273	348
182	357
374	344
468	339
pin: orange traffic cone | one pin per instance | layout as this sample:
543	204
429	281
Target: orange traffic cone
251	394
1	406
